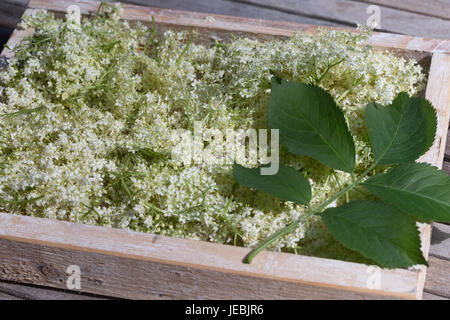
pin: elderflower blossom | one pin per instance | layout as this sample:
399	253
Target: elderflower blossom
86	114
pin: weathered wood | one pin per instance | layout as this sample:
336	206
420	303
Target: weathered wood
432	8
5	296
438	93
418	18
345	11
446	167
31	292
440	242
430	296
238	24
438	280
447	147
11	11
233	8
14	40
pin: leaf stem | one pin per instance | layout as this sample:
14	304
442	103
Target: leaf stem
183	52
275	236
318	210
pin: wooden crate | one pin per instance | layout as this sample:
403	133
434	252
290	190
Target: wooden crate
126	264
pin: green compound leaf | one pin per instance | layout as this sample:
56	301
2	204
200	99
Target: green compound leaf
378	231
402	131
311	124
288	184
417	189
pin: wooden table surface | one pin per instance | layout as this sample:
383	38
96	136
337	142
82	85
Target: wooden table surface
429	18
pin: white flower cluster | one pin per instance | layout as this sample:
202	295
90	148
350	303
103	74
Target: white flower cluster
86	115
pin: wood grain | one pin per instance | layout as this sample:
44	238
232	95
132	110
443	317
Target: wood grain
31	292
440	242
227	7
439	283
345	11
447	148
11	11
430	296
139	279
432	8
196	256
438	93
239	24
405	16
5	296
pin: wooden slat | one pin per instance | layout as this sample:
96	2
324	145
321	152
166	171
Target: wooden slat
11	11
139	279
430	296
440	242
392	20
439	95
30	292
14	40
227	7
438	279
446	167
239	24
112	258
5	296
432	8
447	147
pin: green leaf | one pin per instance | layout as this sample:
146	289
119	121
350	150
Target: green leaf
288	184
402	131
417	189
378	231
311	124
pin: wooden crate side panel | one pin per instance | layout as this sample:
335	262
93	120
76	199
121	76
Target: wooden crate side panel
139	279
200	255
438	93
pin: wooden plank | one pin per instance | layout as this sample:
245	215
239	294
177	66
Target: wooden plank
30	292
447	147
439	95
342	11
118	263
138	279
14	40
440	241
226	7
446	167
5	296
10	12
430	296
438	277
432	8
238	24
